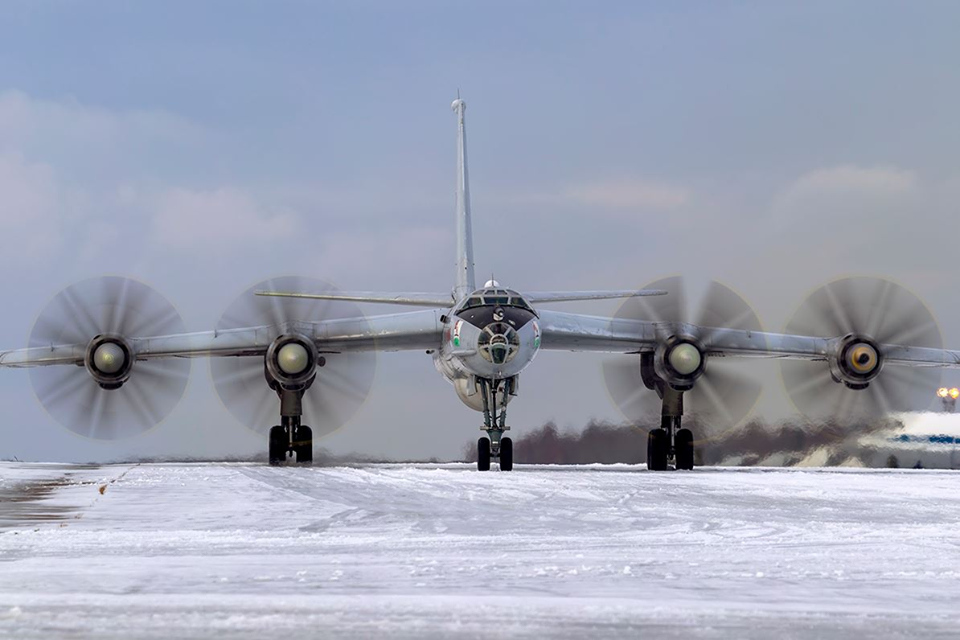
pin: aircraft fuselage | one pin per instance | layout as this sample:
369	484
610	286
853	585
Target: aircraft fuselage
492	334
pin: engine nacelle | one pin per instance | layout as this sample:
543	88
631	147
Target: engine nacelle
291	362
855	361
109	360
679	362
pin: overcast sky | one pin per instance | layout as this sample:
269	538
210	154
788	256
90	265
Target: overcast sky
203	147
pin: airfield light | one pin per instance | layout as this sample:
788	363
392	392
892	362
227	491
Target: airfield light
955	393
943	392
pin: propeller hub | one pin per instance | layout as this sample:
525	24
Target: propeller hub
858	360
685	358
293	358
862	358
109	358
291	361
679	362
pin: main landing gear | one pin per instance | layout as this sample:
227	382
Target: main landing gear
495	446
670	443
291	441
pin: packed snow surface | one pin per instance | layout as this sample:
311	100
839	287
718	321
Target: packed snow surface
419	551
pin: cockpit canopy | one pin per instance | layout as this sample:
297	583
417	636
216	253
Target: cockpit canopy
495	296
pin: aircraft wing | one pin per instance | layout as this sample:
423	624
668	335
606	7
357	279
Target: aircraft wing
446	300
434	300
393	332
571	296
575	332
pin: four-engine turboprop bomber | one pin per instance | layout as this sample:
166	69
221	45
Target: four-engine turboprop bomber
109	356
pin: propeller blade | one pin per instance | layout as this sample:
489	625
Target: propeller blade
723	308
882	310
721	399
342	384
108	305
723	396
621	376
668	308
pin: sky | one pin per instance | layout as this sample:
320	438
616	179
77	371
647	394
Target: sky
204	147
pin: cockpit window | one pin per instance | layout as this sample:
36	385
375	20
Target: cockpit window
498	297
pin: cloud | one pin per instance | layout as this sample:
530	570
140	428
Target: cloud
216	220
627	194
846	190
418	252
31	206
611	197
72	131
878	220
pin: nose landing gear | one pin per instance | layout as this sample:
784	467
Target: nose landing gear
495	446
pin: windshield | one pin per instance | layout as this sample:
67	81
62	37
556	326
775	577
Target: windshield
498	297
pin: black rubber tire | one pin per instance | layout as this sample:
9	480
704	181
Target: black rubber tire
506	454
658	448
483	454
303	444
278	445
683	443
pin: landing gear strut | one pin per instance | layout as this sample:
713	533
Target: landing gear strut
291	440
670	443
495	446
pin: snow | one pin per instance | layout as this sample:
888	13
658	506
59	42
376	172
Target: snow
430	551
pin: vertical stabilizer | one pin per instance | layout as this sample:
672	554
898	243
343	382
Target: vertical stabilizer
465	282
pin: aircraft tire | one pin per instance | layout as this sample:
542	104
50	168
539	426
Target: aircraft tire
303	445
506	454
483	454
278	445
683	442
657	450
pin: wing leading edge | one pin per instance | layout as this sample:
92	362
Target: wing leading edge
417	299
575	332
445	301
393	332
571	296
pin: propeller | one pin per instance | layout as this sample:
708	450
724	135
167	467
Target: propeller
342	384
111	396
877	309
724	394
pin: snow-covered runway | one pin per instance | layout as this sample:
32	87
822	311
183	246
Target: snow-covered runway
247	551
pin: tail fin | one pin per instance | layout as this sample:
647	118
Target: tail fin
465	282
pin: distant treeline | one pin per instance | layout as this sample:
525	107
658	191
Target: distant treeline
752	443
